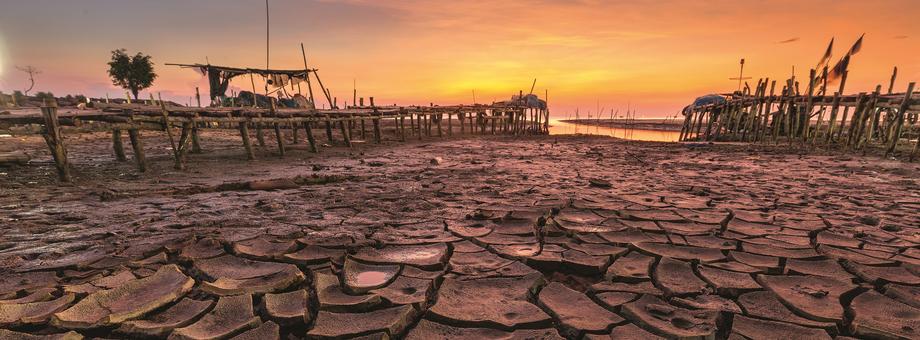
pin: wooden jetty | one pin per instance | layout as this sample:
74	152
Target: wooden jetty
424	121
868	120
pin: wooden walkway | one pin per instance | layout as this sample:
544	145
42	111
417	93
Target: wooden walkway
423	121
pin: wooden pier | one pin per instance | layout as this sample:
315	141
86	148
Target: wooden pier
878	120
183	125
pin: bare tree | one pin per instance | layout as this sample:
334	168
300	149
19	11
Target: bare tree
32	71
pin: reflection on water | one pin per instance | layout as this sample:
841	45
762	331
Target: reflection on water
557	127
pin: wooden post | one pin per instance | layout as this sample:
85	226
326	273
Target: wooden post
870	122
260	136
295	133
280	139
376	122
438	122
402	127
184	139
135	136
247	143
54	139
462	124
899	119
118	146
857	117
310	139
450	124
835	106
198	96
894	75
172	142
255	99
363	130
328	122
344	130
278	136
196	139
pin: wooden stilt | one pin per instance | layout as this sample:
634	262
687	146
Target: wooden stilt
376	123
247	143
899	119
363	130
402	128
438	122
295	133
54	139
310	139
118	146
260	136
196	139
182	147
135	136
328	122
279	138
344	131
450	124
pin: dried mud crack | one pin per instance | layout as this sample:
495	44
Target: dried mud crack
531	237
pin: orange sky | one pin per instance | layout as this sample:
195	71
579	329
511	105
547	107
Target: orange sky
656	55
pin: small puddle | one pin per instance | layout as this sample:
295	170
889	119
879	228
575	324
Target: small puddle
557	127
371	278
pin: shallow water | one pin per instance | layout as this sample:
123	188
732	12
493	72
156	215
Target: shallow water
557	127
372	278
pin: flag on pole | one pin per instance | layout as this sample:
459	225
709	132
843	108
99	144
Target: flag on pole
857	46
827	55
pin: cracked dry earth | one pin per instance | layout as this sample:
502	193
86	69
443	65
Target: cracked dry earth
499	237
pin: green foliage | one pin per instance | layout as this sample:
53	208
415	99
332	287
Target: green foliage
44	95
80	98
132	73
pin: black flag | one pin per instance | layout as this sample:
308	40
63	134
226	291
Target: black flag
827	55
856	46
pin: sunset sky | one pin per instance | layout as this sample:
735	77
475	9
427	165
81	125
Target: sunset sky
654	55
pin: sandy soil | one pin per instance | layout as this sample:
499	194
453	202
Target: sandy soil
724	219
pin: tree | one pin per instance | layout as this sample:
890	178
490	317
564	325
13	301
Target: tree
132	73
32	71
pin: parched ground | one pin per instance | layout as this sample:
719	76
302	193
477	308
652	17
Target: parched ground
480	237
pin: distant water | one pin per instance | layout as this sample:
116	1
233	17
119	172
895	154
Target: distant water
557	127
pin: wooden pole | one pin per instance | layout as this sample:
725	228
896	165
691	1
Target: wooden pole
899	119
135	136
894	75
196	139
279	138
306	70
255	99
310	139
344	130
118	146
247	143
54	139
172	141
328	122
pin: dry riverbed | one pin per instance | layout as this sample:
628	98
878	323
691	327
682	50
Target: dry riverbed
481	237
